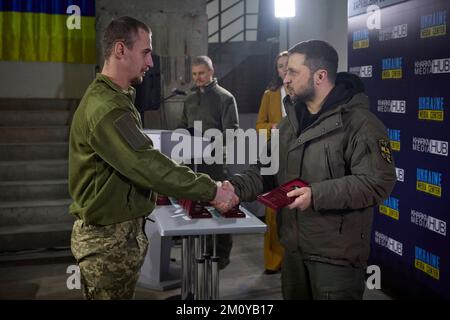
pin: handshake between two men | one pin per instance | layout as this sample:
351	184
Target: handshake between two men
226	197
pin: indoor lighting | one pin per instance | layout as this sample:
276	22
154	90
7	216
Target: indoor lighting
284	8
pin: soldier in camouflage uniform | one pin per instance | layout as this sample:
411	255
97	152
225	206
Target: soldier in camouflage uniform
126	244
115	173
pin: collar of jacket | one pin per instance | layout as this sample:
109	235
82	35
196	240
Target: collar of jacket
327	122
208	87
130	93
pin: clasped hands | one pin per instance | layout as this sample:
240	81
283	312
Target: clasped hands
226	198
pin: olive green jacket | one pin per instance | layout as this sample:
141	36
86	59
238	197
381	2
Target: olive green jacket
216	108
114	171
341	156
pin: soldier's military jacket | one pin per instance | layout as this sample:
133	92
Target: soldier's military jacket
345	157
114	171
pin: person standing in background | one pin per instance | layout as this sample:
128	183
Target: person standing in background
215	108
270	114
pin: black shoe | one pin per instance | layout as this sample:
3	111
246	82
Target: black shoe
223	262
268	271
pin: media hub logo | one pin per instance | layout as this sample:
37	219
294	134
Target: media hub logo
431	108
391	106
433	25
390	208
392	33
428	222
394	137
392	68
435	66
430	146
362	71
427	262
400	173
361	39
429	182
389	243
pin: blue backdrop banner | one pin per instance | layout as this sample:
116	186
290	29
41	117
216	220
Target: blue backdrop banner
402	53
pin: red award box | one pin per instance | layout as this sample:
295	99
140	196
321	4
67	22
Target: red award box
234	213
277	198
162	200
195	209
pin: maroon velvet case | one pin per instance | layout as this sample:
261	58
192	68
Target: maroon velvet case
277	198
195	209
162	200
233	213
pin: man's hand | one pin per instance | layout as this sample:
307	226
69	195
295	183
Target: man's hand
303	200
225	197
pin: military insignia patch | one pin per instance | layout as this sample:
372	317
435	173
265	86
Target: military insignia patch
385	149
129	130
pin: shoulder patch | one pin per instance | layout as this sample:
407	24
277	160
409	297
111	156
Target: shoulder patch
385	150
128	129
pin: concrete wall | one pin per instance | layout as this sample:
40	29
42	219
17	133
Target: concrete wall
319	19
179	32
44	80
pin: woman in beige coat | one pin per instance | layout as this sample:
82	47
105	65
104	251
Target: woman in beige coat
270	114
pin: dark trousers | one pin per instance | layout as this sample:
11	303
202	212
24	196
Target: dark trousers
310	280
223	248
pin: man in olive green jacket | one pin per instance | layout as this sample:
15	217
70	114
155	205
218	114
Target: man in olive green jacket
331	140
114	172
215	108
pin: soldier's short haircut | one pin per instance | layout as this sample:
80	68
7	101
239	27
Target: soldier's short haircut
205	60
318	55
122	29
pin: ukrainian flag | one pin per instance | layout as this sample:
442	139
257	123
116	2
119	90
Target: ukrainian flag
40	30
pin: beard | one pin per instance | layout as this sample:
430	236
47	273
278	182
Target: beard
308	94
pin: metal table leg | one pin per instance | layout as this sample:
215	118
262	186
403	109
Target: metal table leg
215	271
185	267
207	274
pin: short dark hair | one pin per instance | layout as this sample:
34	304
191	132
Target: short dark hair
205	60
122	29
318	55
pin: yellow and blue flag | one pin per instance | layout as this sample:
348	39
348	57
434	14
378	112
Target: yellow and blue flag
48	31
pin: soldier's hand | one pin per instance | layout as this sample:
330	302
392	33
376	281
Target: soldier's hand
303	200
225	197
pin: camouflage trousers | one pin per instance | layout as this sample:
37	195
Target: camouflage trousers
110	257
